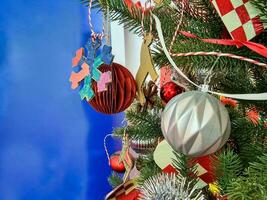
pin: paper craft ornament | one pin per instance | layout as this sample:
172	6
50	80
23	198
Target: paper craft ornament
89	72
164	156
240	17
118	95
195	124
146	68
125	191
104	80
76	78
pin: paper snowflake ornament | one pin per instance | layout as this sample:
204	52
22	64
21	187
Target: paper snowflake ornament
240	17
89	64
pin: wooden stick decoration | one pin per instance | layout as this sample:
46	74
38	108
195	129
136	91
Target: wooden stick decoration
125	157
146	63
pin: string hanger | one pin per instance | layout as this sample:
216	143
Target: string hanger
177	27
94	35
148	7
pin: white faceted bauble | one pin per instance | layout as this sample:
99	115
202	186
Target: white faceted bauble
195	123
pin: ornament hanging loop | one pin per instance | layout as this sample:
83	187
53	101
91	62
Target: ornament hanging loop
210	74
147	8
94	35
105	147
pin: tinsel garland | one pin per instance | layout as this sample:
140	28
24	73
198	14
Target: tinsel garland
169	186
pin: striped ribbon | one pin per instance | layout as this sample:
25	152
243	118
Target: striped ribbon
257	96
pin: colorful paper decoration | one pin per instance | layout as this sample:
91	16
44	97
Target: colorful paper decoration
89	68
164	156
195	123
146	68
76	78
125	191
120	92
104	80
94	63
106	55
240	17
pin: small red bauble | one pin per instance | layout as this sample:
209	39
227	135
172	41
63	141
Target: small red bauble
170	90
115	164
120	92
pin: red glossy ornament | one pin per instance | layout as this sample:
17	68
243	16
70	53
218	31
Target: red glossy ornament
170	90
115	164
120	92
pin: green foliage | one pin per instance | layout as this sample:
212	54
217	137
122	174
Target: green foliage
181	165
239	173
114	180
142	126
261	6
148	168
227	167
248	137
253	185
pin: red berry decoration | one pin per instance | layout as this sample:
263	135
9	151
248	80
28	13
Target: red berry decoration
120	92
115	164
170	90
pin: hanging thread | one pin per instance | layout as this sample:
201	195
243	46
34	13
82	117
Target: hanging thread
94	35
105	147
257	96
147	8
177	27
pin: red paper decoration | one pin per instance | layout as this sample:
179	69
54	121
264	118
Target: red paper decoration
125	191
170	90
120	92
241	18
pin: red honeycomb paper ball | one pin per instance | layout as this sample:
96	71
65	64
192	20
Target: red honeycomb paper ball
120	92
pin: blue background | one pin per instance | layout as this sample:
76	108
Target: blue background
51	144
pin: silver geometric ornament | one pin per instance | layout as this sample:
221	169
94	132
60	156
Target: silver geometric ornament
195	123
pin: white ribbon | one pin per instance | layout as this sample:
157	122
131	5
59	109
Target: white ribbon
257	96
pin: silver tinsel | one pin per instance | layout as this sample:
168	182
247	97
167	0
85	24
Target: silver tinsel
169	187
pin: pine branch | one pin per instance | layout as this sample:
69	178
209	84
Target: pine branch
148	168
114	180
227	166
142	126
261	6
253	185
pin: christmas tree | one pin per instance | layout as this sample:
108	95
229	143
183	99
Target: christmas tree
200	39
